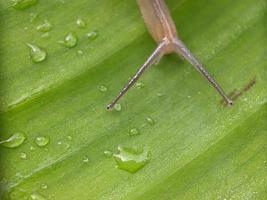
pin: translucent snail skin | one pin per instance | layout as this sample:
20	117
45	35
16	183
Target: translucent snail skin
162	28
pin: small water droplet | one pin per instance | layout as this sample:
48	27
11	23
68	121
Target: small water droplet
14	141
188	96
59	142
33	17
131	159
80	23
23	155
26	28
103	88
44	27
38	54
44	186
92	35
160	94
150	121
23	4
70	40
108	154
45	35
140	85
134	132
117	107
69	137
41	141
85	159
37	196
32	148
80	52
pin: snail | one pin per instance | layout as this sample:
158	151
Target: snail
163	30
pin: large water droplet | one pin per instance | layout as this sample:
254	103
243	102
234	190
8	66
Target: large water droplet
14	141
23	4
134	132
117	107
37	196
38	54
41	141
44	27
131	159
80	23
92	35
70	40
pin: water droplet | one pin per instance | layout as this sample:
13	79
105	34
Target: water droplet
32	148
37	196
134	132
150	121
23	4
70	40
59	142
38	54
44	27
140	85
33	17
85	159
23	155
41	141
131	159
69	137
92	35
45	35
44	186
80	52
117	107
103	88
160	94
14	141
80	23
108	154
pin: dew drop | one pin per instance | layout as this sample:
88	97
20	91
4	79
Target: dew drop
41	141
140	85
117	107
70	40
37	54
103	88
23	4
45	35
23	155
33	17
92	35
32	148
134	132
80	23
160	94
14	141
85	159
37	196
150	121
44	27
131	159
44	186
80	52
108	154
69	137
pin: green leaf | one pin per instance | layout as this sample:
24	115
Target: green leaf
198	148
